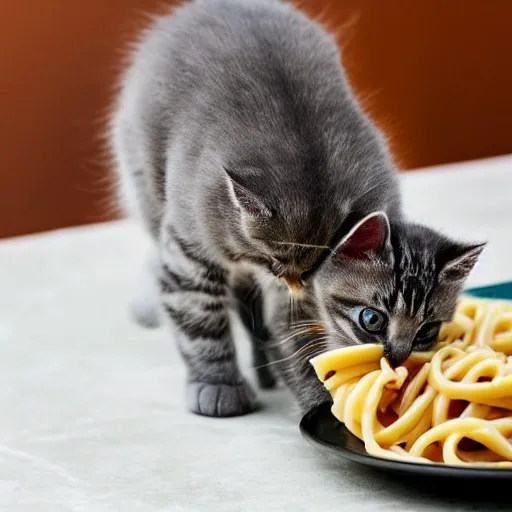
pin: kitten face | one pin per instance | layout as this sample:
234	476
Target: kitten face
291	263
392	285
290	244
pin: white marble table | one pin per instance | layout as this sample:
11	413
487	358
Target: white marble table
92	407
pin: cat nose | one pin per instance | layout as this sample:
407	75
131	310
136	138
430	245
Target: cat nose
295	285
397	352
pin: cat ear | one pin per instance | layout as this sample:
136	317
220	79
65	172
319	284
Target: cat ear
460	262
248	202
367	239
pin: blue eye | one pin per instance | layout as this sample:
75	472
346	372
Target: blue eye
372	321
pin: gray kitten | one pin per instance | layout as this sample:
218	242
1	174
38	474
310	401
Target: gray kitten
240	146
388	283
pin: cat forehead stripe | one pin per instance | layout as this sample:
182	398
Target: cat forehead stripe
414	278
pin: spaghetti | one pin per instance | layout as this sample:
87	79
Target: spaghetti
451	405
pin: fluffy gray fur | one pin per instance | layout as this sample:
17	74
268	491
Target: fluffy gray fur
241	148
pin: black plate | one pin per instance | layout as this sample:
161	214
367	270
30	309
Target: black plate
323	430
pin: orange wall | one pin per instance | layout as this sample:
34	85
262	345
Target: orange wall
57	74
434	74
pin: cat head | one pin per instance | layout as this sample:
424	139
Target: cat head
392	284
285	235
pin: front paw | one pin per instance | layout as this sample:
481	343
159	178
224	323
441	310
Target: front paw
220	400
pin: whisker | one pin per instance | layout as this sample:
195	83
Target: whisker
298	329
289	338
295	365
301	352
293	310
307	323
311	246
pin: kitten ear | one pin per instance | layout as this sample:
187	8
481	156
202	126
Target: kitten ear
248	202
460	261
367	239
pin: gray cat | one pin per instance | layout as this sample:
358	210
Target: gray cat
241	148
388	283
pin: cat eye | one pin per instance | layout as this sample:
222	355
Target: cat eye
428	332
373	321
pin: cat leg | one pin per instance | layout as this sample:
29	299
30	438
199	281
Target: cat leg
249	300
294	344
296	372
196	298
261	364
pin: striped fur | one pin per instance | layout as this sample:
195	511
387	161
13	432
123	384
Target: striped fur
414	279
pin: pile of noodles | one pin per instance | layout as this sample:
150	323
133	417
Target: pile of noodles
451	405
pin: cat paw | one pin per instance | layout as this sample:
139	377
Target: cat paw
220	400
